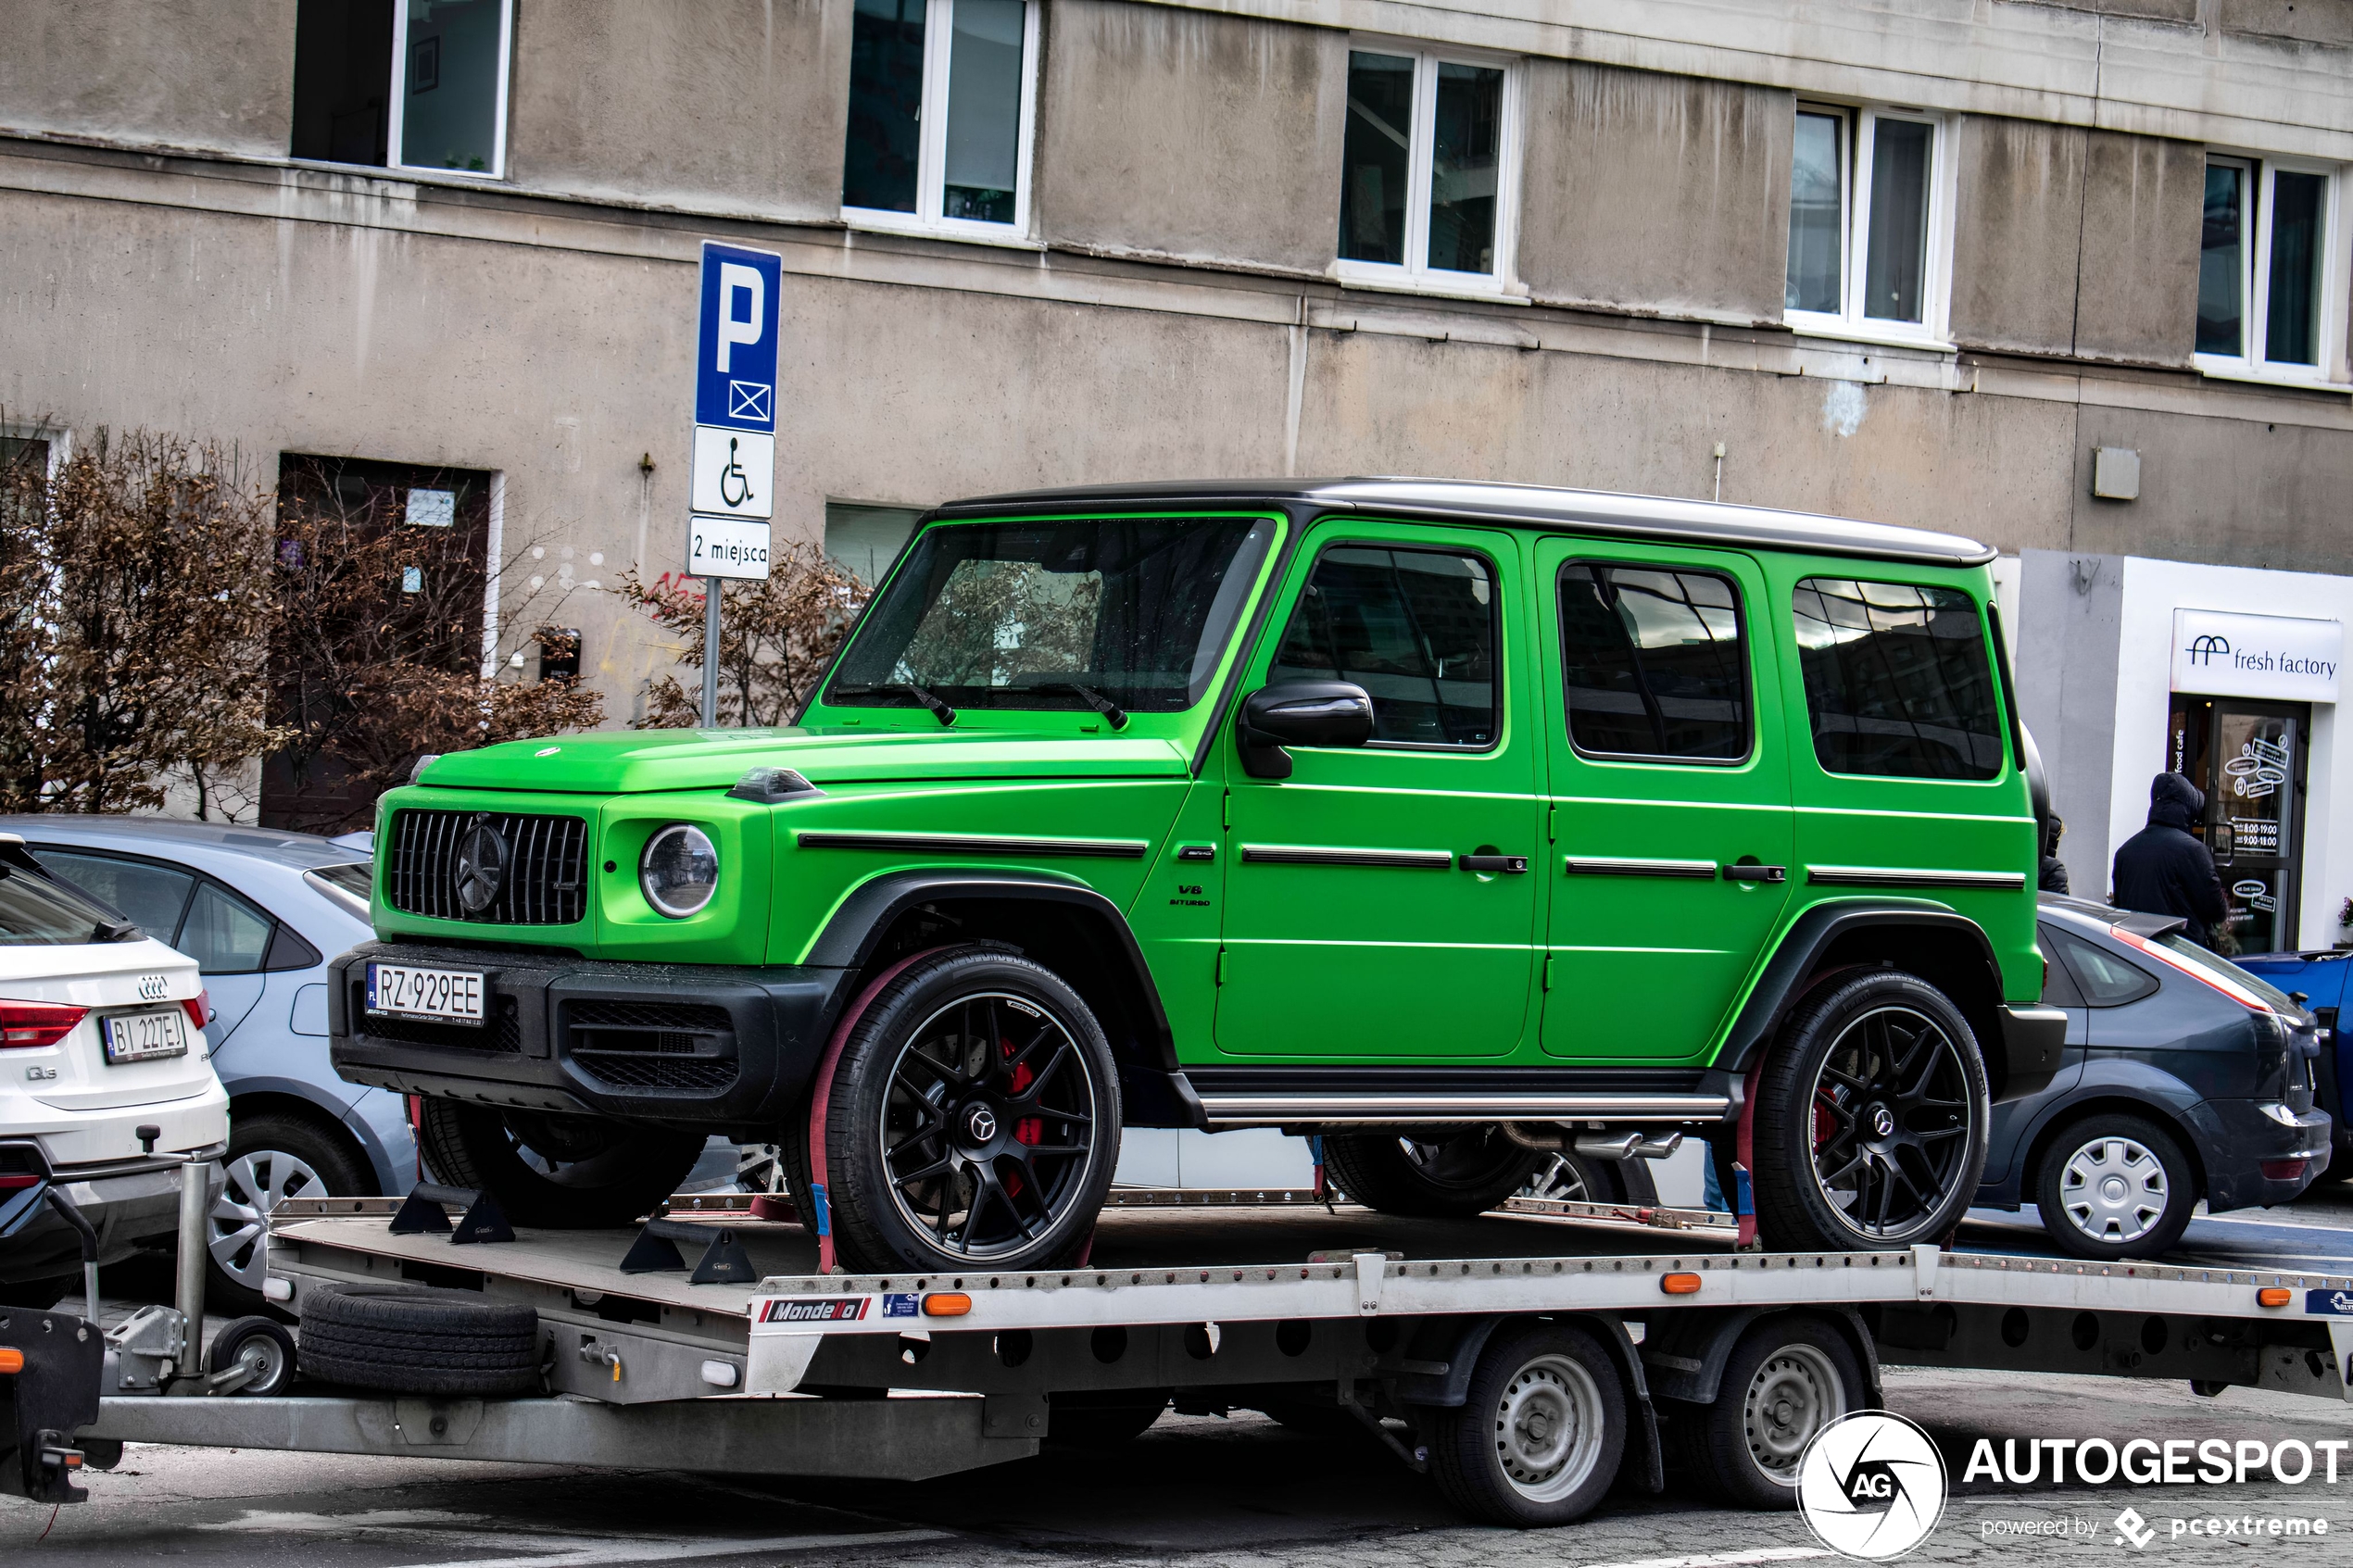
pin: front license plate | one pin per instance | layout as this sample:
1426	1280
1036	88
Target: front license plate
444	996
144	1037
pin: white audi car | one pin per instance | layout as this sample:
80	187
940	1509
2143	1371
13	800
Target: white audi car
101	1040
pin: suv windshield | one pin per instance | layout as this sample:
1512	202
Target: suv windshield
1136	610
37	912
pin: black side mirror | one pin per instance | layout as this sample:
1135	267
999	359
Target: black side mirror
1325	713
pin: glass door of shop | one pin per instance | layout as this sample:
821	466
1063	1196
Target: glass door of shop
2248	757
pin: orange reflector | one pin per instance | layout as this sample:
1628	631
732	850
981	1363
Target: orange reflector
947	1304
11	1359
1680	1285
2273	1296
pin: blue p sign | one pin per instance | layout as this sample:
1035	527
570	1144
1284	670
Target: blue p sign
736	357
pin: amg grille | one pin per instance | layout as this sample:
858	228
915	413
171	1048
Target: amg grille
596	1013
502	1033
622	1071
545	879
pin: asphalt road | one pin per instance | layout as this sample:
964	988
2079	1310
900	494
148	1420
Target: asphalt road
1238	1489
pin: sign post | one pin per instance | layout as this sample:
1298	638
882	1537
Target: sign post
735	441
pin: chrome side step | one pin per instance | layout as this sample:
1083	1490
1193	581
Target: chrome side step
1276	1111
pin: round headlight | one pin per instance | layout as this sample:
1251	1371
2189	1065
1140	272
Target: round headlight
679	870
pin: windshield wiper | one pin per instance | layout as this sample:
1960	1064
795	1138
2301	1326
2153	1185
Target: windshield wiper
1091	697
923	697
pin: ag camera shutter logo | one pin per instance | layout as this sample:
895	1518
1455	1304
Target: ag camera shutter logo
1872	1486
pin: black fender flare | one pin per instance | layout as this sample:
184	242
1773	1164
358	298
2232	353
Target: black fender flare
2022	1045
1154	1086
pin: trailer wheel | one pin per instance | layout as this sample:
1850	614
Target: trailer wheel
1455	1172
1871	1118
1541	1431
568	1172
1788	1377
419	1340
261	1343
973	1119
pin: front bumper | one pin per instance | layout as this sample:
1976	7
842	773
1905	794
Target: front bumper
708	1046
131	1204
2244	1136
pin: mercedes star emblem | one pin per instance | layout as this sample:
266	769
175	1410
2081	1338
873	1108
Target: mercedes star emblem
482	867
981	1123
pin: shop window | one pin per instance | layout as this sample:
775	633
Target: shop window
2265	305
1897	681
865	540
941	96
418	84
1427	171
1654	664
1870	241
1417	629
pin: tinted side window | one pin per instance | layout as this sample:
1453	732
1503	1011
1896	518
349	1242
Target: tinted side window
1654	663
150	897
224	933
2058	984
2105	979
1897	680
1417	629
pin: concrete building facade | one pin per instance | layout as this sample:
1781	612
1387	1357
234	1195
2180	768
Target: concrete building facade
1922	264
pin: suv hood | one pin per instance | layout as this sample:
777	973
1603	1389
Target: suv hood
631	762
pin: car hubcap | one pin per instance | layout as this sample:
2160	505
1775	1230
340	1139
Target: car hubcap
1548	1428
2114	1190
989	1126
1892	1123
1793	1395
257	1183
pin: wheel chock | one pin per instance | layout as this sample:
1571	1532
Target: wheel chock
723	1260
422	1213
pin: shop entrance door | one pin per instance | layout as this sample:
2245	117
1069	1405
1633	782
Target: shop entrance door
2248	757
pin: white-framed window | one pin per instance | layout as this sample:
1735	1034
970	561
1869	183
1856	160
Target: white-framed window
1871	227
2270	279
942	97
428	93
1429	171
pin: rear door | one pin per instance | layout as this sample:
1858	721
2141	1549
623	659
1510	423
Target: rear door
1669	811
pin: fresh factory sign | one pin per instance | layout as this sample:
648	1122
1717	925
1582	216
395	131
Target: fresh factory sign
2261	656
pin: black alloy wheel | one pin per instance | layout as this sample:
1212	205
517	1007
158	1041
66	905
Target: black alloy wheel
974	1119
1871	1118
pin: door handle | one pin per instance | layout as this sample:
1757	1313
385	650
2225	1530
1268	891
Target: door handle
1510	865
1755	873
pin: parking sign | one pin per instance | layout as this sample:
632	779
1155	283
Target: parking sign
734	457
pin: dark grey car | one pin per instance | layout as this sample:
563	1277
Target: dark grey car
2185	1078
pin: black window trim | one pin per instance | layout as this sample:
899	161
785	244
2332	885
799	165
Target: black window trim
2006	719
1503	652
1748	662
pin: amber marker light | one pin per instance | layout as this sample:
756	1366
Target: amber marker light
2273	1296
947	1304
11	1359
1680	1285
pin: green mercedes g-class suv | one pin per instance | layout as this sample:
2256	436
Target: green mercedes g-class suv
1454	823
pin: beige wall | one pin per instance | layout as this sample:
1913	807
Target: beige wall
2138	300
207	75
2019	200
1655	192
737	105
1183	134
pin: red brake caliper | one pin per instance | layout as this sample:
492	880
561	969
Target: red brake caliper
1029	1129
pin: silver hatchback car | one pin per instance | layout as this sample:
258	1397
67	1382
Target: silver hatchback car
261	912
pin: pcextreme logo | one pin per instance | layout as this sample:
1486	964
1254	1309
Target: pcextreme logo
1872	1486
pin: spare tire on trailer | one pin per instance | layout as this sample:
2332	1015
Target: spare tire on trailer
419	1340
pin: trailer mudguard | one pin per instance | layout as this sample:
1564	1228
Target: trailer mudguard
1685	1350
1454	1344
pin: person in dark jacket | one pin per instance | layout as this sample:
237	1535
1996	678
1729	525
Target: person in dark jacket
2051	876
2163	870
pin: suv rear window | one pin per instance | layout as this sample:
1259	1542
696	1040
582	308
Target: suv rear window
1897	683
1654	663
1415	628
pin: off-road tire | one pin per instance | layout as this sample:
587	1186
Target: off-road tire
419	1340
633	1167
1793	1211
1788	1377
1469	1446
1472	1171
2180	1175
340	1174
874	1227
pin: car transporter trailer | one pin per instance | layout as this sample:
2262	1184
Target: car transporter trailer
708	1340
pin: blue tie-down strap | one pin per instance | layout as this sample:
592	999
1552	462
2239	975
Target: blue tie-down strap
825	1210
1744	1199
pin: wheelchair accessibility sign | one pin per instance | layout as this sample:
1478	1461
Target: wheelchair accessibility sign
732	479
